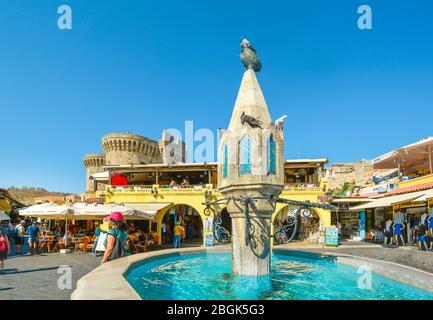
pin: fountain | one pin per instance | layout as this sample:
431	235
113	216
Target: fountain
250	177
251	173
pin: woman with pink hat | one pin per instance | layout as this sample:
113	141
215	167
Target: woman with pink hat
115	244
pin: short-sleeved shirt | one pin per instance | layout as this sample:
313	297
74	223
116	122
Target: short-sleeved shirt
20	230
119	234
177	231
33	232
97	231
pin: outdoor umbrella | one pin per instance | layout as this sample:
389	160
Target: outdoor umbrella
4	216
100	211
49	211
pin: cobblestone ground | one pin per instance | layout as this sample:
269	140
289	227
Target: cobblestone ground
36	277
407	255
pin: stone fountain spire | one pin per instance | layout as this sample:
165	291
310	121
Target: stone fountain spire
251	156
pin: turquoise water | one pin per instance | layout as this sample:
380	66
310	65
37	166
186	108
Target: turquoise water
208	276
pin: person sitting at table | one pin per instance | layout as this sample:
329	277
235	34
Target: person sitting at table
131	228
58	243
150	240
155	237
45	240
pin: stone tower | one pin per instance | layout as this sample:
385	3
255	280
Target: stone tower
93	163
251	165
129	148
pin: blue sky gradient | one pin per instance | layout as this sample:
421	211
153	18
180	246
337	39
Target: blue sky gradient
141	66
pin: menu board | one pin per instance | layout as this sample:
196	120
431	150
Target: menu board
100	246
208	232
331	237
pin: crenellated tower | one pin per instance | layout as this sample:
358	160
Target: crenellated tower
129	148
93	163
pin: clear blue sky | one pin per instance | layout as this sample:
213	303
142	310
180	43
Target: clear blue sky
142	66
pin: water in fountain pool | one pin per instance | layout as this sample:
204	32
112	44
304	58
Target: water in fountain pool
208	276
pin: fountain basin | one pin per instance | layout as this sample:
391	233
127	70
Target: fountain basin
193	273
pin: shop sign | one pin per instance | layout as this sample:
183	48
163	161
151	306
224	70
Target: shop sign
208	242
331	237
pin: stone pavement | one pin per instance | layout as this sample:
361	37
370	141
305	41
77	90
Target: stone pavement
36	277
408	255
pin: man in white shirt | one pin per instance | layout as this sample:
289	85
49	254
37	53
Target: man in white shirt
164	232
20	232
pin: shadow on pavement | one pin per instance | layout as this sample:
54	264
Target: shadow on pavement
15	271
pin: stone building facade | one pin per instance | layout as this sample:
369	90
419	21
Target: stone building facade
131	149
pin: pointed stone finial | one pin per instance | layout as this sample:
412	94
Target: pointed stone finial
251	101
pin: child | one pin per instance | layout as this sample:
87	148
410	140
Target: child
5	248
422	237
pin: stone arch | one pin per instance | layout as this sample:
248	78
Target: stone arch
192	213
308	227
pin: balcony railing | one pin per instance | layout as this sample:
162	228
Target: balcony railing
292	187
151	188
302	187
416	181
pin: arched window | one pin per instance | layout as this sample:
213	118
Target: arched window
272	156
245	155
225	161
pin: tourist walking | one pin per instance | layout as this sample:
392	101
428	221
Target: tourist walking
177	234
5	248
96	236
189	230
34	232
115	244
164	232
20	230
398	232
422	237
388	231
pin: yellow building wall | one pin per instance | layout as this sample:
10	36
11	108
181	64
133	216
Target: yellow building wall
196	198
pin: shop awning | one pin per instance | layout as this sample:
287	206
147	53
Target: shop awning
415	155
47	210
151	208
100	211
101	176
389	201
428	194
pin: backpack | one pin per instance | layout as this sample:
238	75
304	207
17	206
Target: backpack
119	249
13	233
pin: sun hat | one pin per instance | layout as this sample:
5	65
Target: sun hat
116	216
